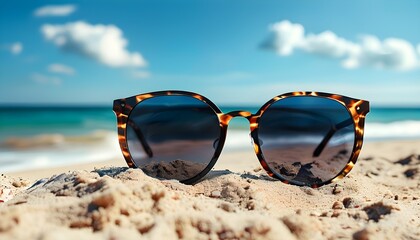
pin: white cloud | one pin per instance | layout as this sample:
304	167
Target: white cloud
55	10
61	68
390	53
328	44
16	48
103	43
140	74
43	79
286	36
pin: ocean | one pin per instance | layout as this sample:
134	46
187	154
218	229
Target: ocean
40	137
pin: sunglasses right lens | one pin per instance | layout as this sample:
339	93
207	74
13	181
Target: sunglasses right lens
306	140
172	137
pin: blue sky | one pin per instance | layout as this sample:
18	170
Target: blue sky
233	52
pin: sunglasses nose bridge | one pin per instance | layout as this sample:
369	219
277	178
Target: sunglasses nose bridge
225	118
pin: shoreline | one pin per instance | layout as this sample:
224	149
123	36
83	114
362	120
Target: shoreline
230	159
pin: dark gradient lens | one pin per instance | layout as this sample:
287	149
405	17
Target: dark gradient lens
172	137
306	140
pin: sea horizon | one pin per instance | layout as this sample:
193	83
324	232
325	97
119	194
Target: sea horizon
37	118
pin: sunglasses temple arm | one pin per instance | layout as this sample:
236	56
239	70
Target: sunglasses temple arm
141	138
329	135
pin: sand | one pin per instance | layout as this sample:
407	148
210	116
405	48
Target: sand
380	199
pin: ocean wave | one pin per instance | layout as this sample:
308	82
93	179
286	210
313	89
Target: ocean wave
392	130
53	140
17	154
32	142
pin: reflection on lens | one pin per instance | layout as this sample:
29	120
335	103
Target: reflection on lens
172	137
306	140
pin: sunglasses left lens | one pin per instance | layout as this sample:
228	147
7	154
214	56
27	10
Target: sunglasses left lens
172	137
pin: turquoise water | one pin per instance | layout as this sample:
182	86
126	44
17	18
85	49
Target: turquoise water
39	137
29	121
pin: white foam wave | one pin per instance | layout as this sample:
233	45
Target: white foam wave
392	130
237	139
98	146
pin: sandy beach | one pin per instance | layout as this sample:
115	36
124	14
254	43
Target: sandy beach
89	88
380	199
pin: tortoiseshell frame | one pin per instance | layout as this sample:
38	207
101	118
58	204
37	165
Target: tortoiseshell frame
357	109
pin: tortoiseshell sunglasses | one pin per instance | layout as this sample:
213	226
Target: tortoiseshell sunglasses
301	138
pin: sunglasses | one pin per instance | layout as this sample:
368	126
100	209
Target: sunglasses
301	138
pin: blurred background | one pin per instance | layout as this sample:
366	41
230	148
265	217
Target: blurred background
63	63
